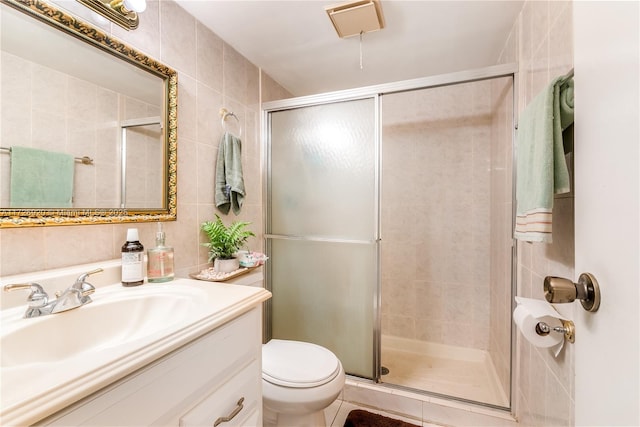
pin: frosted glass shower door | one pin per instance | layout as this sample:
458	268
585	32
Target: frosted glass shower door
322	228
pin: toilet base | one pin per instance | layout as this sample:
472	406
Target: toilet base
273	419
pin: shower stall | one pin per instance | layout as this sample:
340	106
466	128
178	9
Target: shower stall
388	226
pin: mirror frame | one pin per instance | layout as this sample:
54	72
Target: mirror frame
33	217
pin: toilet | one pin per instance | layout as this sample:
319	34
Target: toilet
299	381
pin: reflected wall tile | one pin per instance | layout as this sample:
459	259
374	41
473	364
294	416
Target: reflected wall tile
84	186
49	91
49	131
106	106
134	108
82	97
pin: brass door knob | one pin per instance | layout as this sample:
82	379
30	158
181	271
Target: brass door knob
560	290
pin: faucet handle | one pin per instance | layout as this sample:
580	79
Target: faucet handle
84	276
37	298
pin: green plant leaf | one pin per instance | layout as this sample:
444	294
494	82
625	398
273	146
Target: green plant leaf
225	241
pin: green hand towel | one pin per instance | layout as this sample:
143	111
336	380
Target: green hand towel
566	103
541	165
229	181
41	179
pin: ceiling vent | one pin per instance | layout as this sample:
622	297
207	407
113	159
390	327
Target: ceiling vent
356	17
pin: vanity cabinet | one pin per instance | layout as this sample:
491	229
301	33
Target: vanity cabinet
206	381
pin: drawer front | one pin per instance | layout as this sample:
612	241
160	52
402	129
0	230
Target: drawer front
236	403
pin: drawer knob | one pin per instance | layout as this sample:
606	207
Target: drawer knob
235	412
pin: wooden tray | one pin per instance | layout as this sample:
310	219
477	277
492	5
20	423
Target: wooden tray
202	275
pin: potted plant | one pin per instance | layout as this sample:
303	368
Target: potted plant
224	242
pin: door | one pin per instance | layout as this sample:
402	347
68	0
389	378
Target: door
607	222
321	228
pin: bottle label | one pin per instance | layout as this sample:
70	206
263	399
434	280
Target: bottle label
132	266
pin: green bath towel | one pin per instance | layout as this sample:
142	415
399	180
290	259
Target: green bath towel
41	179
229	191
541	166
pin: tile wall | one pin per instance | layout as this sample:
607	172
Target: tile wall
211	75
435	191
542	43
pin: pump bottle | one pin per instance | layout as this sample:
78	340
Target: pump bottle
160	260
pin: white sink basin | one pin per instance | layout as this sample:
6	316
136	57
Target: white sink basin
116	317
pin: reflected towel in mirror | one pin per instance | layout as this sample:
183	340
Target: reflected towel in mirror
41	178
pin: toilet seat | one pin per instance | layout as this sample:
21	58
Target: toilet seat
298	364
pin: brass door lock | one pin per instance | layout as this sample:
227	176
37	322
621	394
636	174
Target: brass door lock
559	290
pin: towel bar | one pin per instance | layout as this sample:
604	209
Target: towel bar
85	160
224	113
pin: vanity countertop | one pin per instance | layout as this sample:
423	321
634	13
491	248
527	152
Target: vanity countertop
35	388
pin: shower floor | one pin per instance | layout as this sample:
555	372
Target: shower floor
452	371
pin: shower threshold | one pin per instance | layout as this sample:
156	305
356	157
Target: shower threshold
457	372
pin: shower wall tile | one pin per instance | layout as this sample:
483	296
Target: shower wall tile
436	177
545	386
202	90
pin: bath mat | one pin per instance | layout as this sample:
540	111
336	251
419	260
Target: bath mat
360	418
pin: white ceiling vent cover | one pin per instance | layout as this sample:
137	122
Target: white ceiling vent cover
353	18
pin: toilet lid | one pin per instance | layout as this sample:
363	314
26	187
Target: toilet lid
298	364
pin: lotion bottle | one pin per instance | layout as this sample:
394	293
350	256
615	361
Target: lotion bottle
160	260
132	260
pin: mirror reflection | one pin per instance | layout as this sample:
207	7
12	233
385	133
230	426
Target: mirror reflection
82	129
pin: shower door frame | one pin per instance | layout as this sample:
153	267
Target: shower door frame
376	92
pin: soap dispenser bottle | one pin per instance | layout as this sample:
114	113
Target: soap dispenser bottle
160	260
132	260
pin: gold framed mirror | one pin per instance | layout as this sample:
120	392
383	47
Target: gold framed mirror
89	127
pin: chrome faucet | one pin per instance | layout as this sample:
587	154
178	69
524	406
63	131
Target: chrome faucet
74	296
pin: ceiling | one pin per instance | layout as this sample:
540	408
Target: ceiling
294	41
